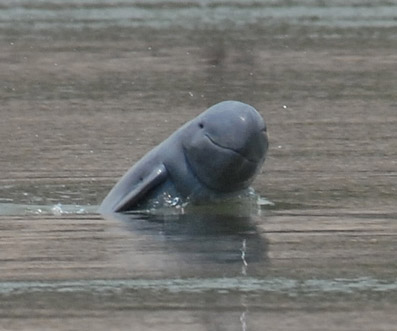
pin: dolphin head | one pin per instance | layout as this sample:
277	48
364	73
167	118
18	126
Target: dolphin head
226	145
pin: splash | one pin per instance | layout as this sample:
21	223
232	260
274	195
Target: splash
247	203
11	209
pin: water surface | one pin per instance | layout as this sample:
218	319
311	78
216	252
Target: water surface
88	87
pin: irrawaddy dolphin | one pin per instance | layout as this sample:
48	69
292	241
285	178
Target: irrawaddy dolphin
215	155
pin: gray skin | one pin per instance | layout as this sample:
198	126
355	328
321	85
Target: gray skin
216	154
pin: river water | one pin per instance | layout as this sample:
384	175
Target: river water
87	87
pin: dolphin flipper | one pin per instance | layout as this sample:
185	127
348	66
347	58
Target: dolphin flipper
146	184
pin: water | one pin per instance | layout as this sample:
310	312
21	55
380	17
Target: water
87	88
160	14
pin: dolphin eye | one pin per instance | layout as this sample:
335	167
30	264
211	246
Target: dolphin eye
201	125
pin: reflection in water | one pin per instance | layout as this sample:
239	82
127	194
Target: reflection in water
202	237
205	238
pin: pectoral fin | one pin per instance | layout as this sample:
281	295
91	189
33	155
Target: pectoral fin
138	191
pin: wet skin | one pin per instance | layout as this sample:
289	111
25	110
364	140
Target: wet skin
216	154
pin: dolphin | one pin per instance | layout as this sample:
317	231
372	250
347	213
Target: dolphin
215	155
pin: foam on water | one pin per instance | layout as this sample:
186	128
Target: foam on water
247	204
12	209
244	204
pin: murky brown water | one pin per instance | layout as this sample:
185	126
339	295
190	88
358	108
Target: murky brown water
87	88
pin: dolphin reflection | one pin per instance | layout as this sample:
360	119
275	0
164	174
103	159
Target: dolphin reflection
202	237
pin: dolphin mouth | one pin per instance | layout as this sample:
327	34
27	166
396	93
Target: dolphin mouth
230	149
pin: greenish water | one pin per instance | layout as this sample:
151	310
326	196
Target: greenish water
192	14
292	287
